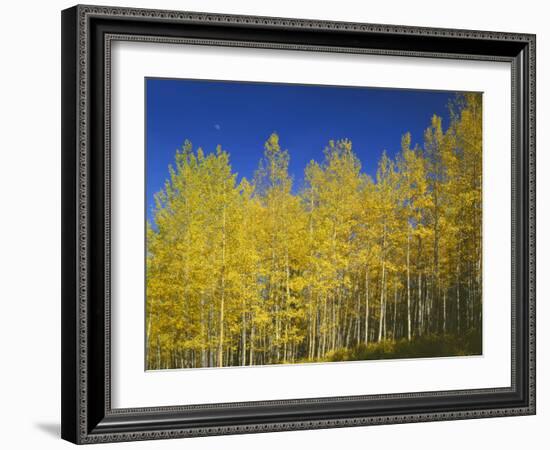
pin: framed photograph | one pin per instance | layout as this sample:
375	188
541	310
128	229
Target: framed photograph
280	224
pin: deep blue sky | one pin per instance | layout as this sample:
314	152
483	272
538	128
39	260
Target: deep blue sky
241	116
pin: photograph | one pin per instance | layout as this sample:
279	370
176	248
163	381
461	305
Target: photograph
300	223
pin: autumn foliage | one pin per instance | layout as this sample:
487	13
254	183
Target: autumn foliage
249	272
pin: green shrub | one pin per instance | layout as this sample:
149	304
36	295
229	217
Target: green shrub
428	346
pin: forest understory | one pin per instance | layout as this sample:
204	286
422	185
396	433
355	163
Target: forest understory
431	346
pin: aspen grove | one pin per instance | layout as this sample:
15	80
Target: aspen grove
250	272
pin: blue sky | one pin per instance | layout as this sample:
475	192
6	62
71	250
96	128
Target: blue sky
241	116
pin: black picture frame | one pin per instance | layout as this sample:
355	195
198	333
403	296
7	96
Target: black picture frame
87	32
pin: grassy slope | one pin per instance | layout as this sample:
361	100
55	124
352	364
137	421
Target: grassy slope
420	347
